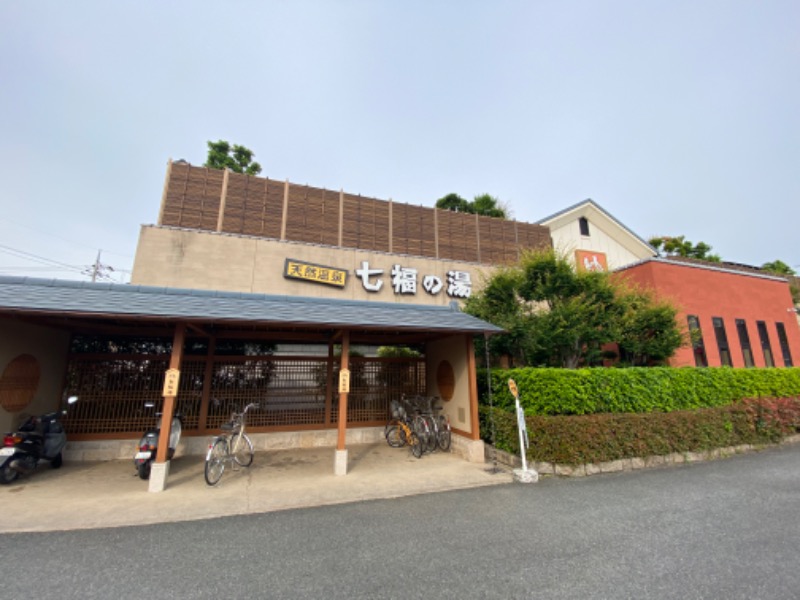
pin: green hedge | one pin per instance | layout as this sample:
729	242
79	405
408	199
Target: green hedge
634	390
574	440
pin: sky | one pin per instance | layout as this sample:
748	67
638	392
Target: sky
677	117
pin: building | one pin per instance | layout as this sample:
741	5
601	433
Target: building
250	289
323	306
735	316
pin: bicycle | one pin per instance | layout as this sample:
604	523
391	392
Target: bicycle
438	422
232	446
399	431
423	423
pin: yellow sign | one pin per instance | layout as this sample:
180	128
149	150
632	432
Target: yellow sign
171	379
295	269
344	381
512	386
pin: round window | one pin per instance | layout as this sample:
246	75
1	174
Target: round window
19	383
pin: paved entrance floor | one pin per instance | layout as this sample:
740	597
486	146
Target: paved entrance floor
109	494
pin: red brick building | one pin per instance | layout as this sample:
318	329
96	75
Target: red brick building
737	316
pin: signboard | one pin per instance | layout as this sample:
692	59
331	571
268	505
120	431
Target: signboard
296	269
512	386
403	280
344	381
591	261
171	379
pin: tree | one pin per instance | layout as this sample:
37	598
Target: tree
237	158
489	206
556	316
499	302
484	204
648	333
778	267
781	268
680	246
453	202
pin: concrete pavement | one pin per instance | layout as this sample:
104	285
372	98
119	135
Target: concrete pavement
85	495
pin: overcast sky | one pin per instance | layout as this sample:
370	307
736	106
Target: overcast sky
677	117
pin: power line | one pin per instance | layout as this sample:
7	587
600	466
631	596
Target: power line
58	237
36	258
95	271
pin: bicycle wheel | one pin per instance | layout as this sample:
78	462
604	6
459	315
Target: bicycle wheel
444	436
242	449
415	444
424	433
433	432
215	461
394	435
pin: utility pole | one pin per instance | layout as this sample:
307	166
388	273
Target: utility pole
96	267
98	270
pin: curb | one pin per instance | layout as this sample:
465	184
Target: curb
513	461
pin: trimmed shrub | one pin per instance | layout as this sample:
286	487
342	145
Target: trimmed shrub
574	440
634	390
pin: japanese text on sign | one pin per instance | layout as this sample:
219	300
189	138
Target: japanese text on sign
295	269
171	380
344	381
404	281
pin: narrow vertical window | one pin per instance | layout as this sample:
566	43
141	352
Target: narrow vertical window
584	225
744	342
698	346
722	342
784	342
766	347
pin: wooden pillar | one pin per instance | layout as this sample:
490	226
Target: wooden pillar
391	216
345	366
341	217
478	235
222	200
285	213
164	193
436	231
169	401
472	376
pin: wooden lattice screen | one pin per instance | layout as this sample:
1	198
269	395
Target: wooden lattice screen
122	394
195	197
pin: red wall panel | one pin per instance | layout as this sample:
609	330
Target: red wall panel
730	295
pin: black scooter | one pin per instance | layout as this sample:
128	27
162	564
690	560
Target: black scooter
148	445
38	438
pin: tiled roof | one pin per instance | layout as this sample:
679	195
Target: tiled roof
43	296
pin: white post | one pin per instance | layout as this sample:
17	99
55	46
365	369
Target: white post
523	475
523	438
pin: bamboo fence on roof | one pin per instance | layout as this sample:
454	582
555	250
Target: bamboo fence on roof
227	202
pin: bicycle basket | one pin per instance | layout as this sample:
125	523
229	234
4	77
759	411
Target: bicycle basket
398	412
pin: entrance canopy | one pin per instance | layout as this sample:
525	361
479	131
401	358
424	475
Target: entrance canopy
297	392
89	306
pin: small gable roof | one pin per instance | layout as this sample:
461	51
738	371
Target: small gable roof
593	211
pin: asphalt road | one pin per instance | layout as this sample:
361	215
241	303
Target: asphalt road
722	529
